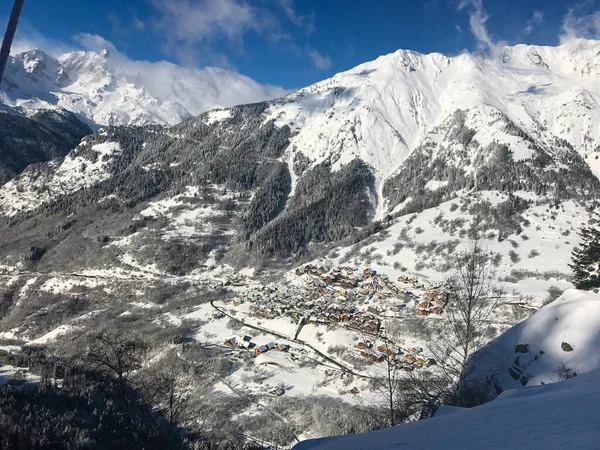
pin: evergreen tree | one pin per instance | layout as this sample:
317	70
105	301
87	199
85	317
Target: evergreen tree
586	258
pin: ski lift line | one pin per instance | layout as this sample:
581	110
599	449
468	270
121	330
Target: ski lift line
11	29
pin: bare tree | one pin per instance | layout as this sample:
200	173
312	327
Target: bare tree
473	295
388	381
166	388
9	36
117	356
387	384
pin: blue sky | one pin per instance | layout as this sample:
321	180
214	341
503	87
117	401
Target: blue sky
293	43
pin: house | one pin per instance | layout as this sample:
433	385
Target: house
261	349
329	279
370	328
368	272
363	345
373	310
218	315
415	350
277	392
410	358
272	345
430	362
425	305
283	347
382	349
353	391
423	312
231	342
436	310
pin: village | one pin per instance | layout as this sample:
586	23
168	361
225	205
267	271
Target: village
340	298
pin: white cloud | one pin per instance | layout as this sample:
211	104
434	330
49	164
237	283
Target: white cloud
577	24
198	90
28	38
307	21
190	28
536	19
478	18
194	21
321	62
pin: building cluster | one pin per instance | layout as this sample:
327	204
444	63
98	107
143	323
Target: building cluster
433	302
245	342
342	296
409	360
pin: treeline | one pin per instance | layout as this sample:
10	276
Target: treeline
242	154
326	206
44	136
108	398
557	170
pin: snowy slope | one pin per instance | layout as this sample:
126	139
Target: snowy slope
564	333
560	415
107	89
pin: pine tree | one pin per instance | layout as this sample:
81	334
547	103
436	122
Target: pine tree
586	258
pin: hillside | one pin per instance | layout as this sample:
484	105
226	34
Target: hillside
46	135
543	417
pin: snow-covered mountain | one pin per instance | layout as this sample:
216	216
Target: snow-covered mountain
106	89
496	136
383	110
391	166
412	152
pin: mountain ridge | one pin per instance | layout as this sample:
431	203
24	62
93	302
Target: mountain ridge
106	88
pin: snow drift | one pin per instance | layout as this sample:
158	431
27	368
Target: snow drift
559	340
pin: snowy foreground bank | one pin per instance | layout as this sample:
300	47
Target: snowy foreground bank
548	416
